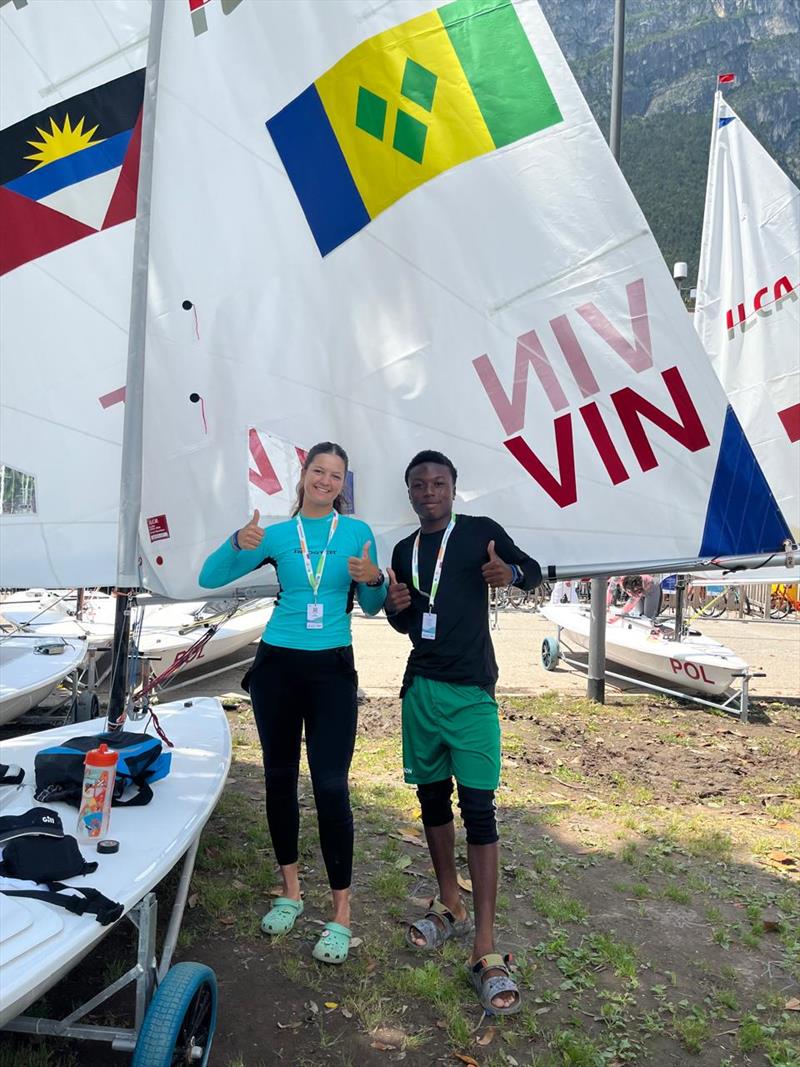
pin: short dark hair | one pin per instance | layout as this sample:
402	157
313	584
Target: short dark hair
429	456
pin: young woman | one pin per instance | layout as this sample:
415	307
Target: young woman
303	675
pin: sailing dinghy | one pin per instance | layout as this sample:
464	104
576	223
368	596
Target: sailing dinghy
31	666
694	663
40	943
165	632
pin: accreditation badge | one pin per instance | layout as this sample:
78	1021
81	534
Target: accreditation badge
428	626
314	616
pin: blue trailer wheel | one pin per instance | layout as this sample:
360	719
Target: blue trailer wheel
551	653
179	1025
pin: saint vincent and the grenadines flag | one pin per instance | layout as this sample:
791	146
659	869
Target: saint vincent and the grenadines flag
70	170
405	106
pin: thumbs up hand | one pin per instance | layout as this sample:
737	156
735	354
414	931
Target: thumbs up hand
251	535
496	573
398	596
361	568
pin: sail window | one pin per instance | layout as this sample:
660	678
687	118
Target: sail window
17	492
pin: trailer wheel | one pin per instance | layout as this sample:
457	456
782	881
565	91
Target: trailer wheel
551	653
85	706
179	1025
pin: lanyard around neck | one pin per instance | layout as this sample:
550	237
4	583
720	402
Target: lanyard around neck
437	570
315	578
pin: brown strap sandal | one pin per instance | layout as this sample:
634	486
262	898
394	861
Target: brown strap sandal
438	926
488	986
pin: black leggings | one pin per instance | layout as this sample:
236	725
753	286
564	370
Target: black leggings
291	688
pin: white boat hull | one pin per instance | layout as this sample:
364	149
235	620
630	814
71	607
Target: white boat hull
167	630
696	664
27	676
40	943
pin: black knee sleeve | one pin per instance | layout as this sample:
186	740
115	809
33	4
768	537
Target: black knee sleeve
478	812
434	801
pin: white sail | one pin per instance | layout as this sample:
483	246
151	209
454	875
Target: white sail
72	76
748	307
398	226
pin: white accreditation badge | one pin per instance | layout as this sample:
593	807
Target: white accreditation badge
428	626
314	616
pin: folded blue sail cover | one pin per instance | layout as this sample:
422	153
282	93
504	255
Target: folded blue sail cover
59	770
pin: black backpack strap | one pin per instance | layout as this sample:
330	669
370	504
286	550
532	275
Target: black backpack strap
144	796
92	901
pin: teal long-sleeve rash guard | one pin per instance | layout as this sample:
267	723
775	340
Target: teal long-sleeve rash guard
281	547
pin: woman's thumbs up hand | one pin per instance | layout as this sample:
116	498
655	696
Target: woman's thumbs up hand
251	535
361	568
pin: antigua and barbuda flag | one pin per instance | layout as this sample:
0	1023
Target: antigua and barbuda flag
70	170
405	106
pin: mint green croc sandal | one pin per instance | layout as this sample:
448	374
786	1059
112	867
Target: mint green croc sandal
333	944
281	916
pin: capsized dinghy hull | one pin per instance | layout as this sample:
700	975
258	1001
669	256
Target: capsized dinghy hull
697	663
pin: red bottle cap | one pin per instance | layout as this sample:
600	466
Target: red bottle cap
102	756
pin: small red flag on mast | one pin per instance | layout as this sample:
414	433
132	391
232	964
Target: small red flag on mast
726	79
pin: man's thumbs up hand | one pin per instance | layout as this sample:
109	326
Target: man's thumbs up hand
496	572
361	568
398	596
251	535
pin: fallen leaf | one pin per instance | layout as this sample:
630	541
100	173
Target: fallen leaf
792	1005
312	1006
347	1014
289	1026
441	1024
782	857
466	1059
227	920
380	1046
192	900
487	1036
356	941
420	902
403	862
331	1004
465	884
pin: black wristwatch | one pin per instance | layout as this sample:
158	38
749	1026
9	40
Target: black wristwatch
378	581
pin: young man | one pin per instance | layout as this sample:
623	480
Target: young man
438	595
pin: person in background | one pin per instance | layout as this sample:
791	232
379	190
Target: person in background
564	591
438	595
644	594
304	677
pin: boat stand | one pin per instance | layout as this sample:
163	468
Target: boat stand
737	703
147	973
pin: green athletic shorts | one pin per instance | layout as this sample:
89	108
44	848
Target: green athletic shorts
450	730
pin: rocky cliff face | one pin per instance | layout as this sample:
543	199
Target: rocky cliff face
674	50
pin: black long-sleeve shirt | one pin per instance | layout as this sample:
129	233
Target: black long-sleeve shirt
462	651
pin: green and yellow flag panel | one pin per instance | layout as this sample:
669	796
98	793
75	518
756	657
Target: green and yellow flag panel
405	106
